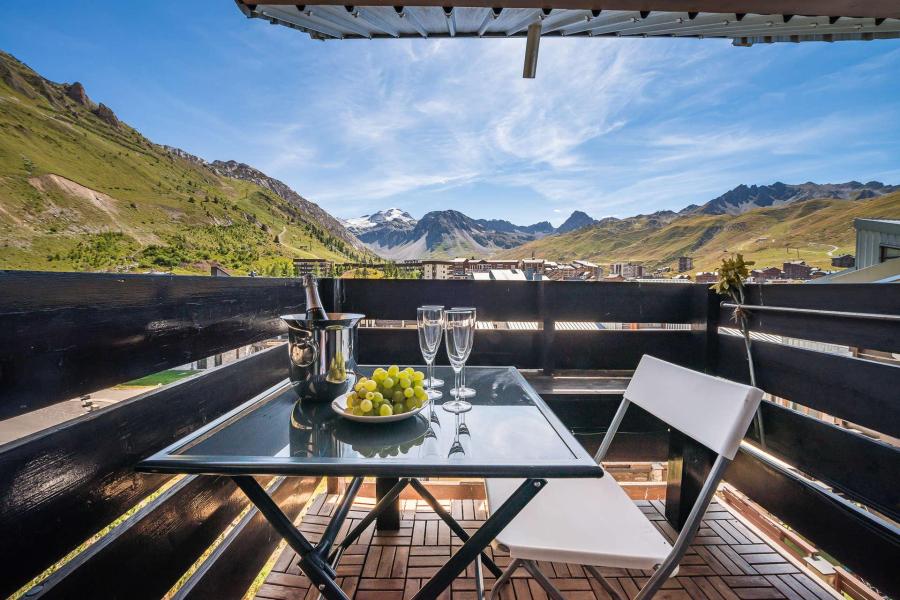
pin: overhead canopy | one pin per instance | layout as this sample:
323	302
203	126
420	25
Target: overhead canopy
746	22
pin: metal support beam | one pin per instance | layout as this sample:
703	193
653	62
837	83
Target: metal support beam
490	17
532	16
411	18
532	45
450	15
300	20
371	18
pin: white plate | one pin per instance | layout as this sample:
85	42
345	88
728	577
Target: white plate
340	403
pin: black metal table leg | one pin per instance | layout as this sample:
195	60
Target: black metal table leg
382	505
455	527
480	540
311	562
340	515
389	518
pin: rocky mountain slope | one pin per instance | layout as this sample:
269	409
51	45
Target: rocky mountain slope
576	220
743	198
813	230
82	190
394	234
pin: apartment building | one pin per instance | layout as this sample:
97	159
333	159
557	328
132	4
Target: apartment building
438	269
627	270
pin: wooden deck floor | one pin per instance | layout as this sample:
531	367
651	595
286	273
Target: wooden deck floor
727	561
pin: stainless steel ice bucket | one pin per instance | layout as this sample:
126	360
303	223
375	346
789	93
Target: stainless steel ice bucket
322	355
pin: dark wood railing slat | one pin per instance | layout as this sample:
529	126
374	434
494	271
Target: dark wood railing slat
146	555
866	544
828	327
66	334
614	349
68	482
845	297
228	572
624	302
863	469
858	390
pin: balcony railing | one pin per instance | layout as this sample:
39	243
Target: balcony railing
63	335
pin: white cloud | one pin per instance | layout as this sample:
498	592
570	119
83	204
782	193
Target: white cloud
609	126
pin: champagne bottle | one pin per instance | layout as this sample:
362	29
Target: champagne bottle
314	310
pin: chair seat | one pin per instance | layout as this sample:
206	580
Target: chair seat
580	521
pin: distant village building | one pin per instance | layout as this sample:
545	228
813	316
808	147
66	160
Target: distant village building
437	269
319	267
685	263
627	270
462	267
584	267
766	274
797	269
533	268
706	277
503	264
844	261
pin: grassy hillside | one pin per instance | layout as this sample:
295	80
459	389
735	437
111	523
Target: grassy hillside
80	190
810	230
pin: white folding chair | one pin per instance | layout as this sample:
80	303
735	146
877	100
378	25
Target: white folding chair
592	522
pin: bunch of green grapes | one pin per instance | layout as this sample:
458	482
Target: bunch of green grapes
389	392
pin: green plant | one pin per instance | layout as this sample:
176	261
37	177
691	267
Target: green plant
732	273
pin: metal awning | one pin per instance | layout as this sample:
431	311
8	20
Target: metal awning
746	22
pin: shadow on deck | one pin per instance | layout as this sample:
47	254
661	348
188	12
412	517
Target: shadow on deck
727	561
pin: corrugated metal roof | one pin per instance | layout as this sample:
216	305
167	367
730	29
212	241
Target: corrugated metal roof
327	21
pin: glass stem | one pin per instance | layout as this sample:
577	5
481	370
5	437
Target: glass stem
430	370
463	375
458	376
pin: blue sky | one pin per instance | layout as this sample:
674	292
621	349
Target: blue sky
611	127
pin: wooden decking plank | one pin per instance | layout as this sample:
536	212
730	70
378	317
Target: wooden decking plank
727	562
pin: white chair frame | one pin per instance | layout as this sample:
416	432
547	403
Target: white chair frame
679	548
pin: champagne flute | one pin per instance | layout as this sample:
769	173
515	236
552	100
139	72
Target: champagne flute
430	325
464	391
432	381
460	326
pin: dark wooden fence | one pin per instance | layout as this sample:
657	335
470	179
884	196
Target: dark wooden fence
62	335
859	470
66	334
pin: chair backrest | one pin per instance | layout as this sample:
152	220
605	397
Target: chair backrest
715	412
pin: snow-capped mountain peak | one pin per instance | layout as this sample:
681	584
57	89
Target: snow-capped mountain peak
392	216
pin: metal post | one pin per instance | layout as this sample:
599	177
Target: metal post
532	45
689	466
389	517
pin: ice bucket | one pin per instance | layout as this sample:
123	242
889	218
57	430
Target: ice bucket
322	355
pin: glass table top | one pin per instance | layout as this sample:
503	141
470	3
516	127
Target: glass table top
510	432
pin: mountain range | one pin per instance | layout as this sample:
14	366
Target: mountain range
395	234
82	190
810	229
